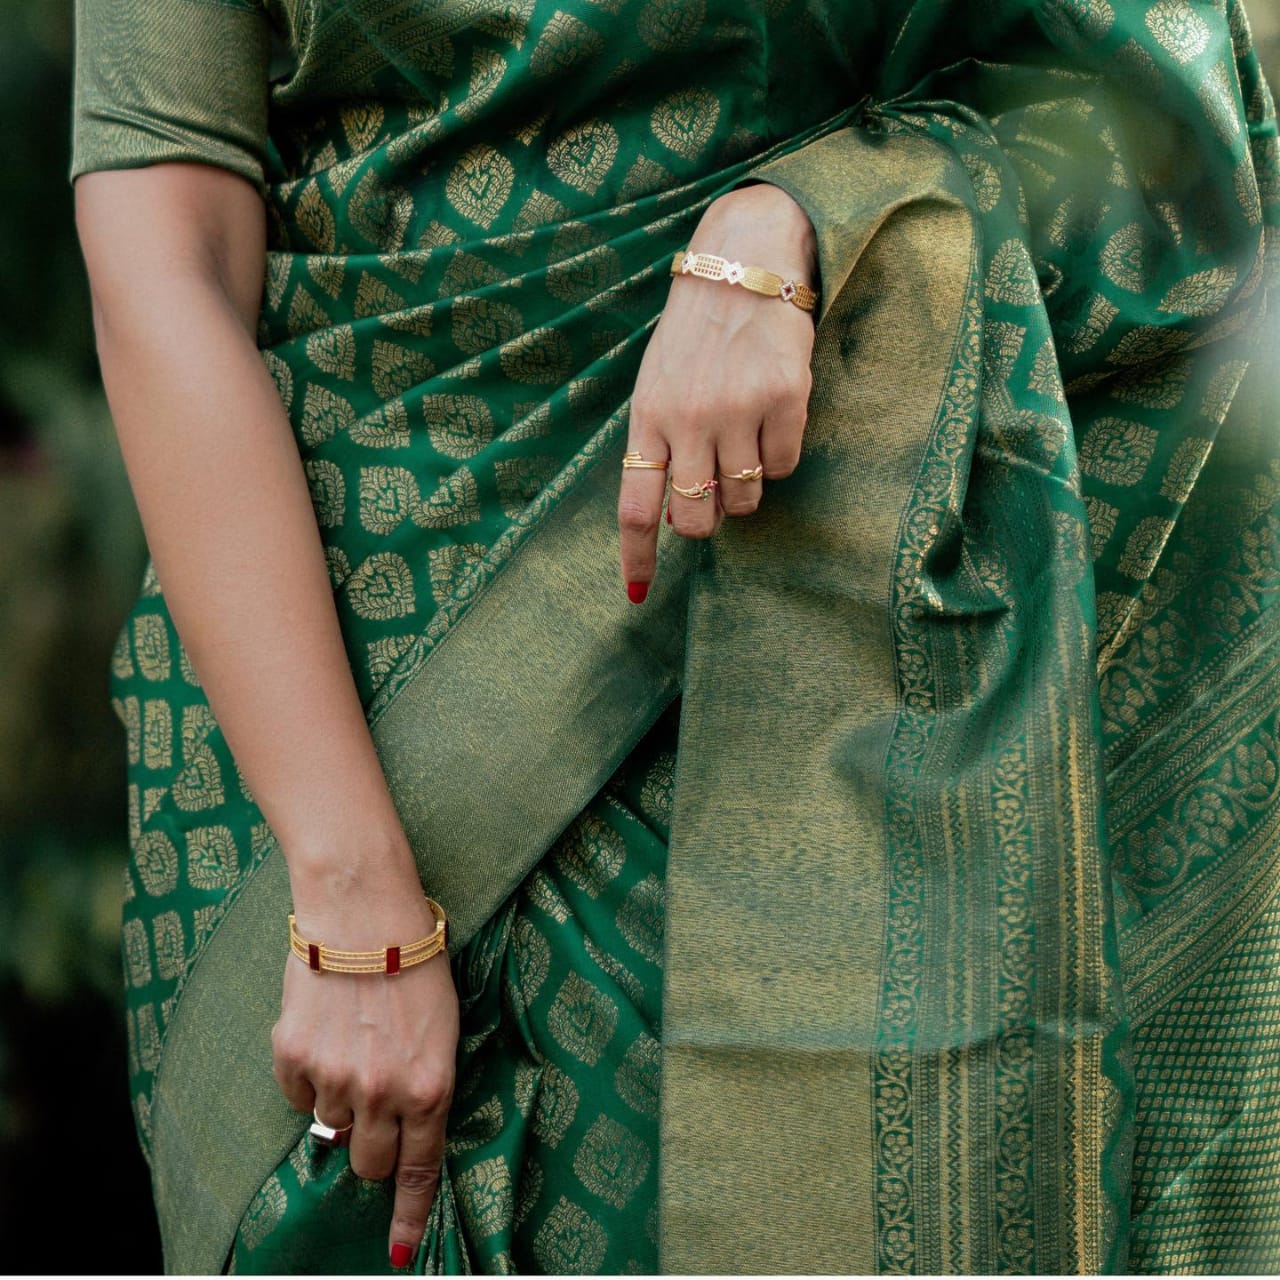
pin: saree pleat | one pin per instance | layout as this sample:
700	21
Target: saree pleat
950	923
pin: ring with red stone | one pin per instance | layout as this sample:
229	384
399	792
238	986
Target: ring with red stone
701	491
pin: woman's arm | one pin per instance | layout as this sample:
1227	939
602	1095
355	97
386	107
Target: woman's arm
723	385
175	254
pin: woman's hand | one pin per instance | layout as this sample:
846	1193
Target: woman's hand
375	1052
723	387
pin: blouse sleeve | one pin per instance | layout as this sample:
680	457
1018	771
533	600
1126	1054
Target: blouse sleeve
159	80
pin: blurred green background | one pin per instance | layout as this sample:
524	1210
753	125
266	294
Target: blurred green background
73	1188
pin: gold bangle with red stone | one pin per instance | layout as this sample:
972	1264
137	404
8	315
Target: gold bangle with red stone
387	960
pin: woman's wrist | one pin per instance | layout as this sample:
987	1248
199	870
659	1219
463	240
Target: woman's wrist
761	225
357	890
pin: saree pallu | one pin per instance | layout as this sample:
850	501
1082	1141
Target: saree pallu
943	934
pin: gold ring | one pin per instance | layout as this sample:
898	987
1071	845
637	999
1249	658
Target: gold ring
634	462
703	490
329	1134
755	473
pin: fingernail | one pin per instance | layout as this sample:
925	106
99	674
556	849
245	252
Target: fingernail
636	592
401	1255
668	513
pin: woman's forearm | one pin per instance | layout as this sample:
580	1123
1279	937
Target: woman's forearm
233	536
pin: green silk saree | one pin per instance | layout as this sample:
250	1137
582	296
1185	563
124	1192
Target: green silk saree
898	890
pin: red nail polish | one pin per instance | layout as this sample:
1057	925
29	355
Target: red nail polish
668	513
636	592
401	1255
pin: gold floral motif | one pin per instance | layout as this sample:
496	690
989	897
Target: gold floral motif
570	1241
640	918
199	786
1147	342
170	944
1202	293
1116	450
328	491
324	413
381	587
264	1213
480	183
148	1037
1178	29
1217	96
315	218
590	854
1144	546
582	1019
1102	518
544	894
1096	322
306	315
361	123
637	1076
985	180
330	274
685	120
556	1105
333	351
384	428
1124	258
670	24
385	653
542	356
1011	277
1158	385
627	981
151	646
485	1189
156	860
582	155
644	177
281	375
488	67
539	210
565	41
396	368
481	324
611	1161
212	859
448	566
455	502
157	734
137	954
1184	468
374	297
533	958
1222	389
521	480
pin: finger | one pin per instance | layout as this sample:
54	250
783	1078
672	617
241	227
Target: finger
336	1115
782	434
374	1141
738	496
417	1178
693	517
639	509
288	1066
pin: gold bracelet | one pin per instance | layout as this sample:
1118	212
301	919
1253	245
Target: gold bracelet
707	266
321	959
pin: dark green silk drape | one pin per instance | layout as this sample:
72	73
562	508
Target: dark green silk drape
968	863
